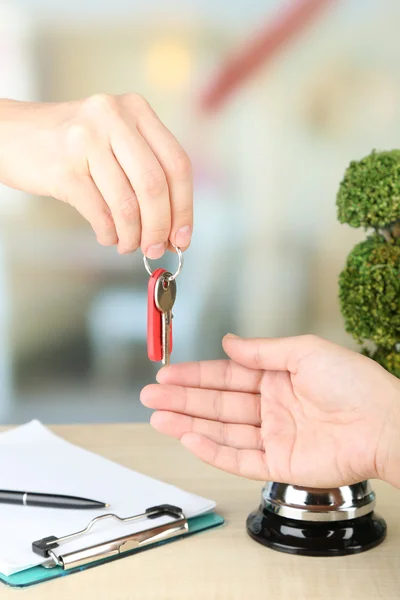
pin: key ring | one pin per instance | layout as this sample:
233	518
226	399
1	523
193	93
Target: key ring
180	264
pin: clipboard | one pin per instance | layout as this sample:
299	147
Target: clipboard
57	565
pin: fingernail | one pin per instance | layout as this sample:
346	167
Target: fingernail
183	236
155	251
122	250
232	336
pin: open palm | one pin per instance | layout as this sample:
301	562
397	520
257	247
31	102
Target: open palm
296	410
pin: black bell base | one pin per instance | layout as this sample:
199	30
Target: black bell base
310	538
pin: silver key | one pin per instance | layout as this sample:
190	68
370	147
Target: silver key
164	295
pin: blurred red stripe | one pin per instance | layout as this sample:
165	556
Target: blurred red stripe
259	50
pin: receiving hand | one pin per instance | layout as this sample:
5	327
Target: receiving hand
297	410
108	156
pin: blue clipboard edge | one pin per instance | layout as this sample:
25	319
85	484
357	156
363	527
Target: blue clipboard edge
37	575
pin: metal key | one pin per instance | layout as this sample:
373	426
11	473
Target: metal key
164	296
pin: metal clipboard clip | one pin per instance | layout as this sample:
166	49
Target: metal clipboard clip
46	546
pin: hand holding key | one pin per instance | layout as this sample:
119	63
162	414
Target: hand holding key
111	158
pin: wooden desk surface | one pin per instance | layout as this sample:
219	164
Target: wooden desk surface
220	564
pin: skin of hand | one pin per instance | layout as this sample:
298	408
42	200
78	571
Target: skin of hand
111	158
299	410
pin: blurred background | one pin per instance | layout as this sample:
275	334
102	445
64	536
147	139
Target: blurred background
271	99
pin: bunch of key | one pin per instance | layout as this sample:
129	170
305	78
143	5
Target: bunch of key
160	301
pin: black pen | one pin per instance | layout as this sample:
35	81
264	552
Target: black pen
48	500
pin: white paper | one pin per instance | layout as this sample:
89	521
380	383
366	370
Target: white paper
34	459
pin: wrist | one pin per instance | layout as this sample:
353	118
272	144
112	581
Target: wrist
388	455
25	137
10	127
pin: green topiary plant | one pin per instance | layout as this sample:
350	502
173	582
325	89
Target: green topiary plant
369	285
369	194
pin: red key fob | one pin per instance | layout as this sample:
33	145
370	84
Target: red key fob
154	318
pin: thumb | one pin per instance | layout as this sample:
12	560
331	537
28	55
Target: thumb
272	354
